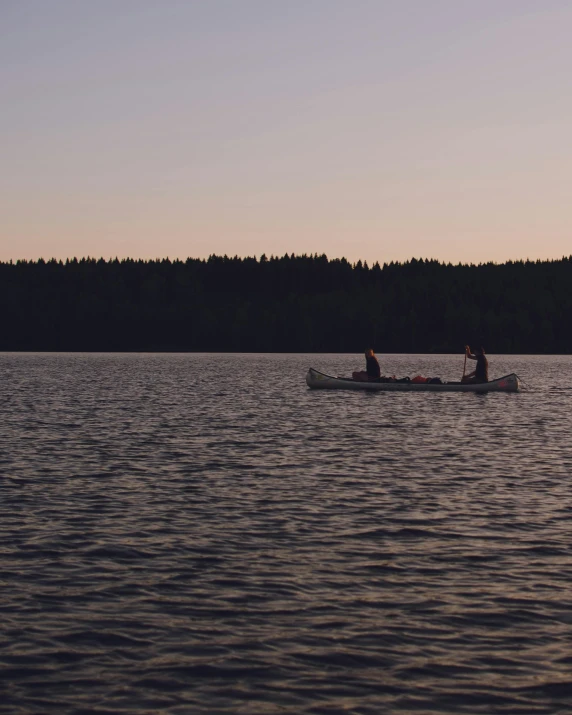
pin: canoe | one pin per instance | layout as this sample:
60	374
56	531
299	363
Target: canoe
320	381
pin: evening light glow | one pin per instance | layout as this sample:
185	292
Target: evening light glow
372	130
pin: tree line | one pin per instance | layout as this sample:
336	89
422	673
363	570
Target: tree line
305	303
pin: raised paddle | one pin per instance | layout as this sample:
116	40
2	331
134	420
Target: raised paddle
465	364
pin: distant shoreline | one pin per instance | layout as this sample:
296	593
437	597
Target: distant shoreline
289	304
254	352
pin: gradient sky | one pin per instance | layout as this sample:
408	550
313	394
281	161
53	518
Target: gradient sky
369	129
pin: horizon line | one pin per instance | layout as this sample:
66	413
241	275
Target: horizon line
262	258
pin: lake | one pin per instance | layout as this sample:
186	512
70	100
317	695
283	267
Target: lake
201	533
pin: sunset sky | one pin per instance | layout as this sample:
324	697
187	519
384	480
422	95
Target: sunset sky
370	129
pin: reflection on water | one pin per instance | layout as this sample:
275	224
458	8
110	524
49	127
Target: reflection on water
203	534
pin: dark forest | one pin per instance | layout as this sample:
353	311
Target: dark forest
285	304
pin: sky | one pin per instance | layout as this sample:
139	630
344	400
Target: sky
369	129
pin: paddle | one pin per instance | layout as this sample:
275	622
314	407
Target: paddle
465	364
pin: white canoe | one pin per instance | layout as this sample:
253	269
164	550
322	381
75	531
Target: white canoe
320	381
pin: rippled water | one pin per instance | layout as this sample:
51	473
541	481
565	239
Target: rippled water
203	534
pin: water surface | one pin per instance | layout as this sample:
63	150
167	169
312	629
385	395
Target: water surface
203	534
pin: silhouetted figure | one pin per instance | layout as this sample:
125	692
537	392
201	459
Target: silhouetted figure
372	371
481	372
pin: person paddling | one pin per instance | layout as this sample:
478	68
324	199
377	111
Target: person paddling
481	371
372	371
372	365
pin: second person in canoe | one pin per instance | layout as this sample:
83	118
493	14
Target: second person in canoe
481	371
372	371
